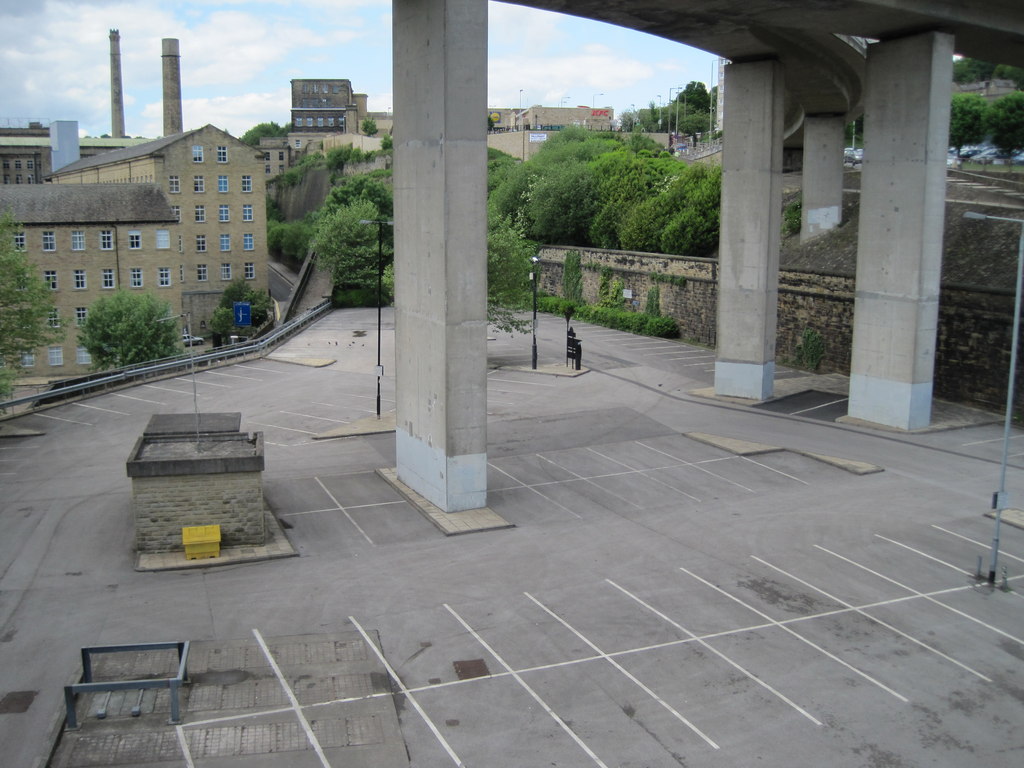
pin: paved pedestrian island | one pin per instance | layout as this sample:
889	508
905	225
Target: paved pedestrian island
304	700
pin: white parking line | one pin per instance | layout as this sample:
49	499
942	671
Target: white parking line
289	429
591	480
232	376
311	416
531	488
798	636
868	616
750	675
823	405
777	471
343	510
924	554
983	544
258	368
58	418
201	380
528	383
408	694
629	675
645	472
140	399
533	694
296	707
167	389
97	408
684	463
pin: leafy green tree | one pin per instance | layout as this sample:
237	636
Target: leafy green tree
972	70
223	319
1005	121
509	264
563	203
347	248
966	119
129	328
264	130
387	142
289	239
369	126
26	305
572	277
1008	72
695	97
361	187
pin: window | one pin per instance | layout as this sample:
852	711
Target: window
163	239
222	154
106	240
201	273
250	270
247	183
49	241
134	239
330	121
135	277
298	143
30	164
80	314
319	122
266	168
17	165
50	278
266	156
173	185
176	212
198	184
225	242
181	273
82	356
56	355
19	239
247	241
225	270
309	122
200	214
197	153
246	213
77	240
280	155
200	243
108	278
79	279
222	183
224	213
27	359
54	319
163	276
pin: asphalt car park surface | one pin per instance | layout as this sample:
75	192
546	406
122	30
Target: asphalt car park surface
661	601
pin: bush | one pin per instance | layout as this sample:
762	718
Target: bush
653	307
572	277
620	319
810	350
791	218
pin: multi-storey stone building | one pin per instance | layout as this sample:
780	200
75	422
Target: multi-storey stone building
216	188
26	155
326	106
87	241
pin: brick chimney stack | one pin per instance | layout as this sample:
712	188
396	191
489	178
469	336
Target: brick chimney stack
172	86
116	91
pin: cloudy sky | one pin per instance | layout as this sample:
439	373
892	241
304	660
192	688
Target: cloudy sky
238	56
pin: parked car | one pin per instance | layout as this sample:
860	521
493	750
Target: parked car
189	340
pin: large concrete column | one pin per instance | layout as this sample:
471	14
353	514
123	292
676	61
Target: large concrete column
822	205
902	210
440	183
171	58
748	276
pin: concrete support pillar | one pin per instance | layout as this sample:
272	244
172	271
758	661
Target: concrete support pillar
748	277
440	183
902	210
822	206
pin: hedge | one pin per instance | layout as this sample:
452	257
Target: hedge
620	319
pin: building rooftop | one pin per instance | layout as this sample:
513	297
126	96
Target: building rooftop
85	203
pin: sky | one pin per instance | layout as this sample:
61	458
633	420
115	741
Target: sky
238	56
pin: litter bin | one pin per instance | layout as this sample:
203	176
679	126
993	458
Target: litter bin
201	541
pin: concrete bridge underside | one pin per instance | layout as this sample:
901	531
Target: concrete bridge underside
799	71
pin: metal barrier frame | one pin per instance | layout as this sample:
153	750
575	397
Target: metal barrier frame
88	686
179	363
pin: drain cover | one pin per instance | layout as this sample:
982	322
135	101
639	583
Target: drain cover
17	702
466	670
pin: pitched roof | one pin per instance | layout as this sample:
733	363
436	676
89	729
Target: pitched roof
127	153
85	203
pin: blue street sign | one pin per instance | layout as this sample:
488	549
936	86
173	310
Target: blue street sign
243	313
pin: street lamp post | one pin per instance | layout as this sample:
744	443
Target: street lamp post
533	279
380	281
1000	498
593	101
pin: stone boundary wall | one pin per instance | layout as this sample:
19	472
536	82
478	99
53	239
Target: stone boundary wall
973	345
232	500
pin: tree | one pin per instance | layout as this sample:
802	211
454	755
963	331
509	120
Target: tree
1007	72
509	264
696	97
1005	121
347	248
369	126
223	319
26	305
966	119
253	135
129	328
972	70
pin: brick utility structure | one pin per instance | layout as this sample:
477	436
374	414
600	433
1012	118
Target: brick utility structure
179	480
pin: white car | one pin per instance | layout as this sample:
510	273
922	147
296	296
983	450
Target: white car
189	340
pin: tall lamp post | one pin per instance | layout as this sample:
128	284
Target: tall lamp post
381	223
1000	498
533	279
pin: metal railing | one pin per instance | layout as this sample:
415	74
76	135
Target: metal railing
159	368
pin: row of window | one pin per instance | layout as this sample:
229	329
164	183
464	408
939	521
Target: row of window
55	355
198	152
223	213
199	184
106	239
320	122
30	164
135	276
19	180
248	242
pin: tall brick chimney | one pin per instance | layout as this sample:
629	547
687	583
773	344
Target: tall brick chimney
172	86
116	91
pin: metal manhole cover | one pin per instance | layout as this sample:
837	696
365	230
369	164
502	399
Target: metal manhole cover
16	702
466	670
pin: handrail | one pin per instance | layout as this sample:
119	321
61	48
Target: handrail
179	363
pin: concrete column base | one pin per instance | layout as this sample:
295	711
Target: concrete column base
755	381
891	403
449	482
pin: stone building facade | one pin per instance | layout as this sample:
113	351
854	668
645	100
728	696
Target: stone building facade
26	155
326	106
216	186
88	240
